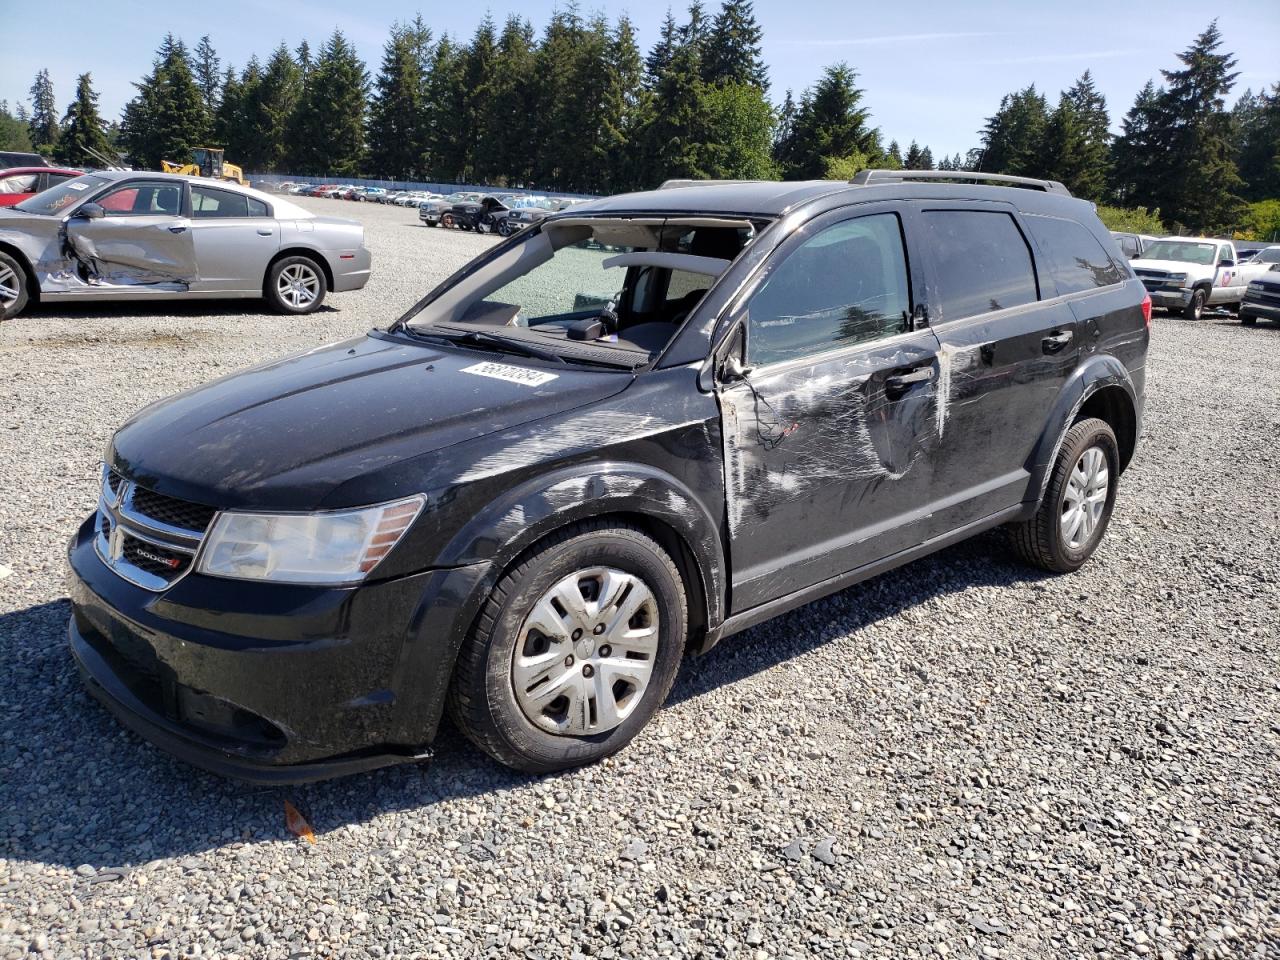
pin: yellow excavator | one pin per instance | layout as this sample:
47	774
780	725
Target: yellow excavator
207	162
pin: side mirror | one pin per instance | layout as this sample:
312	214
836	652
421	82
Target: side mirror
732	369
90	211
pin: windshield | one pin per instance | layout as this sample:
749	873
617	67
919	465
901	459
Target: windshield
1269	255
592	285
1180	250
57	199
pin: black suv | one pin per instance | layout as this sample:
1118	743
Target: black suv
625	433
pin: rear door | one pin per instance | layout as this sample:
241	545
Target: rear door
235	237
828	437
1008	343
143	239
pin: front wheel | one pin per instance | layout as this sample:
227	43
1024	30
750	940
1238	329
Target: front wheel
13	287
446	220
574	651
295	285
1195	309
1248	319
1078	502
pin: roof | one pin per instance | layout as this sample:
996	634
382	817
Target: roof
11	171
772	198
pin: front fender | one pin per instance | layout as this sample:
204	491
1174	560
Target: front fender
525	514
1096	373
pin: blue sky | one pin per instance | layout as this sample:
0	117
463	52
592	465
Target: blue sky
931	70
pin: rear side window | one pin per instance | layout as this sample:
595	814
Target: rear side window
207	203
982	261
1075	257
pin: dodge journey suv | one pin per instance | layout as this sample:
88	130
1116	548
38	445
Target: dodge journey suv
626	432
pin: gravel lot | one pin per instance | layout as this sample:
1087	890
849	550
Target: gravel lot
962	758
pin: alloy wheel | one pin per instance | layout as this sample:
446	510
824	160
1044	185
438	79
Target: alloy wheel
585	653
298	286
9	285
1085	499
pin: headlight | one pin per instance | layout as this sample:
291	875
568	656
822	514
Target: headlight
341	546
1177	277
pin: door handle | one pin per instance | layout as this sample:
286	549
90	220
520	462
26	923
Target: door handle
1055	342
180	228
900	382
265	233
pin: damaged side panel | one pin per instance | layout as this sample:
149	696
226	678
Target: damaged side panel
156	252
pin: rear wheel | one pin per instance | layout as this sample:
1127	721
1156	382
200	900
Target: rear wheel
1248	319
295	285
575	650
1077	504
13	287
446	220
1195	309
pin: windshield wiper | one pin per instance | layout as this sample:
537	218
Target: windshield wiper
481	338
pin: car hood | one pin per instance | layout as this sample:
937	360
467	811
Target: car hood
1171	266
289	434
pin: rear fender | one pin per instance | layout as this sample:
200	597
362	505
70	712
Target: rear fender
1096	373
529	512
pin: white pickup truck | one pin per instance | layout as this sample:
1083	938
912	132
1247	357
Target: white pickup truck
1186	274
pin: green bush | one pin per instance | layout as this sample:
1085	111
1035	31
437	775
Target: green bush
1261	221
1132	220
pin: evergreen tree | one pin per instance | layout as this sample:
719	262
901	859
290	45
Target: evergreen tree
659	58
784	130
555	70
208	71
1258	122
674	136
303	56
1092	148
13	130
43	123
84	136
446	101
893	156
914	159
695	31
1134	159
1013	139
477	78
396	133
830	125
629	108
224	129
509	129
271	107
926	159
328	132
167	118
1201	188
732	53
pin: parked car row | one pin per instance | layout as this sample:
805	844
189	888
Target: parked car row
1187	274
501	213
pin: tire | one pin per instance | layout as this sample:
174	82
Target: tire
15	290
592	718
1042	541
1248	320
446	220
295	285
1195	309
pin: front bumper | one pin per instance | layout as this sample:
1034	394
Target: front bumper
1258	308
428	216
1170	298
268	682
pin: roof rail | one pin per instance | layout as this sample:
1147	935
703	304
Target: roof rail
971	176
673	184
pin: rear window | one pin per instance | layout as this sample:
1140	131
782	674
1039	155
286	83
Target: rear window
982	261
207	203
1075	258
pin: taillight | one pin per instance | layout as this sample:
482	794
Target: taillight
1146	309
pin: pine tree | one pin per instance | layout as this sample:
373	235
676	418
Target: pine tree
926	159
328	132
784	131
1194	136
555	70
830	126
208	71
696	29
893	156
1134	159
1013	139
1259	130
396	150
13	130
477	78
674	136
84	137
303	56
659	58
224	128
43	124
913	160
446	101
627	108
168	117
1063	146
732	52
273	104
509	129
1093	162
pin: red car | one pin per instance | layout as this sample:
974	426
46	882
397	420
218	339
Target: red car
18	183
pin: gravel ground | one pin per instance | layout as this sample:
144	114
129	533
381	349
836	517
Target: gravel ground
962	758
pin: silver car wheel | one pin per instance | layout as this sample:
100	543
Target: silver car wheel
298	285
585	653
1085	498
9	285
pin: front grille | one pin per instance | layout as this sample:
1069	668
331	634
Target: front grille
148	538
170	510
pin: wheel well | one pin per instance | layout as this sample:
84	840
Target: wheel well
1113	405
671	541
33	287
311	255
1202	285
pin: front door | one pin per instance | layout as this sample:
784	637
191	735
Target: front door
144	238
235	238
829	435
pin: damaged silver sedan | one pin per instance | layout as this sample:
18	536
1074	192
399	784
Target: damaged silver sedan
130	236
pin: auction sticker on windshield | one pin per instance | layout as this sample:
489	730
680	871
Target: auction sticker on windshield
509	373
